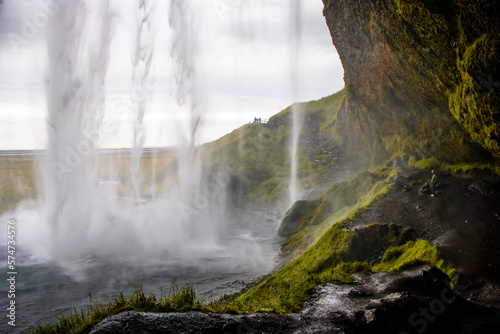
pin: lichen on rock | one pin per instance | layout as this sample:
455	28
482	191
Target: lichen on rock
421	77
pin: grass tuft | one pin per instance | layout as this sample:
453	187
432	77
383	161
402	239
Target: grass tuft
81	321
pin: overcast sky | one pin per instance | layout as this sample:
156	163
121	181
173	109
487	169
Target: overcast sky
245	56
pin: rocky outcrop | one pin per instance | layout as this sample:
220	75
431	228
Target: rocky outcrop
415	301
421	76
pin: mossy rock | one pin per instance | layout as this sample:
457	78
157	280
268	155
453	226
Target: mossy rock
371	242
421	78
307	220
334	259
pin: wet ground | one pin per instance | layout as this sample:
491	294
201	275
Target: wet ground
416	301
462	220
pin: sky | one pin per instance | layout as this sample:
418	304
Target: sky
251	58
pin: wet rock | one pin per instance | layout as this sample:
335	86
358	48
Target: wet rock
398	184
370	242
292	221
484	187
375	38
415	301
196	323
425	189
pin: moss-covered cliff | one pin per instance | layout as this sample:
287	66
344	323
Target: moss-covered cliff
421	76
257	155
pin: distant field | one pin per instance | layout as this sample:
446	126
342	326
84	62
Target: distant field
17	180
18	173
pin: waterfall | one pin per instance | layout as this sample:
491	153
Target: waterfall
78	52
297	114
80	217
144	48
187	95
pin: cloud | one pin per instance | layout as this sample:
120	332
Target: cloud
244	58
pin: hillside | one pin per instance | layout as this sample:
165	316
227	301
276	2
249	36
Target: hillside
367	249
257	155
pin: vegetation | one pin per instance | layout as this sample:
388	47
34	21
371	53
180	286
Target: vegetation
179	300
455	168
19	176
17	182
429	85
257	155
333	253
399	258
329	261
428	94
308	220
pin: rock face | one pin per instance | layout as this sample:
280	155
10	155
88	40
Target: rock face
415	301
421	76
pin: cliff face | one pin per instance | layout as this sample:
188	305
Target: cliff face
421	77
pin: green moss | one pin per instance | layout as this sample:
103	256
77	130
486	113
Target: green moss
308	220
455	168
476	98
284	292
388	234
287	290
427	58
399	258
342	272
258	155
270	191
424	163
329	261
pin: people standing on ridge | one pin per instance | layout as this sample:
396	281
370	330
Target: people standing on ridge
433	183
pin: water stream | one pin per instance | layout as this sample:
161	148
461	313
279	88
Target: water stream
297	114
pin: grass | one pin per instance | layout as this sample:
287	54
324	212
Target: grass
17	181
258	155
81	321
308	220
18	175
453	167
400	258
332	255
284	292
322	249
259	151
287	290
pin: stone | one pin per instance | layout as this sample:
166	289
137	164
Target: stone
375	303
